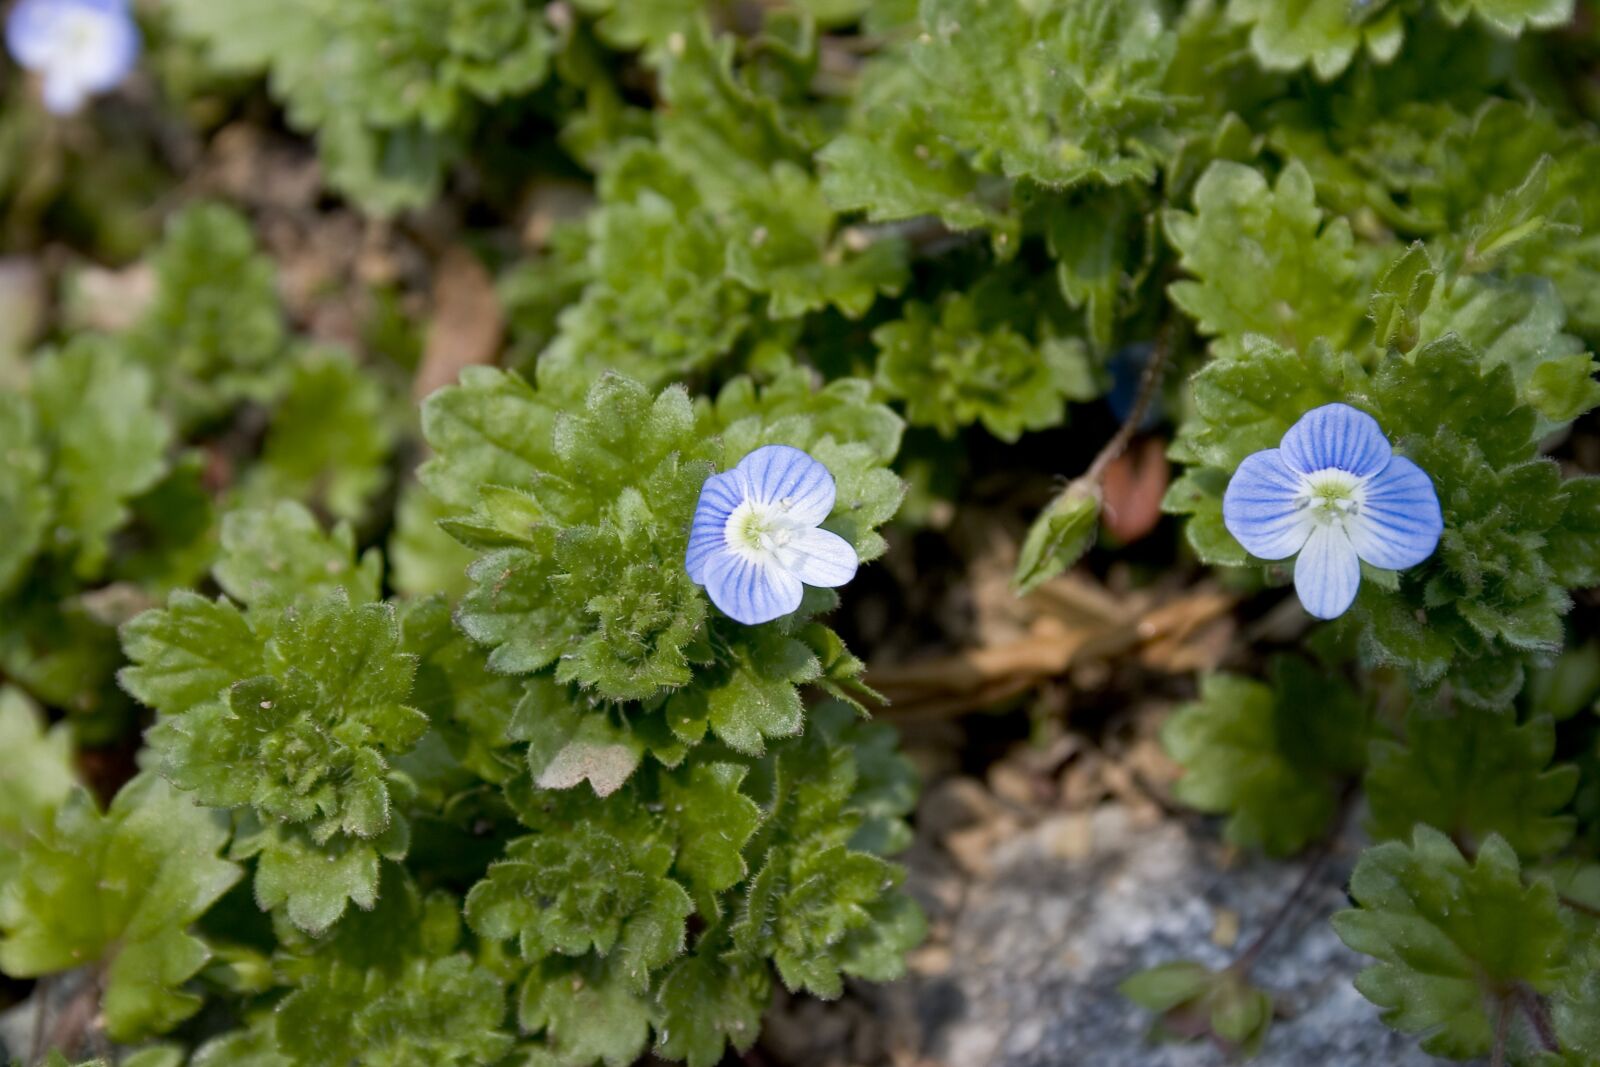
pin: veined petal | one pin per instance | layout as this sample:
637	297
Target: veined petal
720	494
1338	436
818	557
751	590
786	476
1399	523
1327	573
1259	508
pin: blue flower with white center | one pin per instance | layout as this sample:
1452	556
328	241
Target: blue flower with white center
1335	492
78	47
755	543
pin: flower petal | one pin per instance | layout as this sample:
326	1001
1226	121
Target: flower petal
1338	436
720	494
788	477
1328	572
751	590
1259	508
1399	523
818	557
30	33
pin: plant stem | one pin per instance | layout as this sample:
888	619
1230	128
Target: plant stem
1502	1026
1539	1017
1252	952
1579	906
1246	959
1149	382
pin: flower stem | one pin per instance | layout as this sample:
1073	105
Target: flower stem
1149	382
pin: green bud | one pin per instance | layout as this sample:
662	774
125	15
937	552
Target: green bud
1060	536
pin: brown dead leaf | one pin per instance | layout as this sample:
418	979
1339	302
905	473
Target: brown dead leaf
604	767
1077	627
468	324
110	301
1189	634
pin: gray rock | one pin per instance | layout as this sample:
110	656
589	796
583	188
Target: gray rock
1078	903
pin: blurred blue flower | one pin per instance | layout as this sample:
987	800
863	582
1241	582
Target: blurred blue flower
78	47
755	541
1335	492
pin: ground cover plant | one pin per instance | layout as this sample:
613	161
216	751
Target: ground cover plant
483	481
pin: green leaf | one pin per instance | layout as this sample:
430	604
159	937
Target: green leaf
1078	99
37	777
423	558
314	881
1324	34
783	244
580	891
587	513
952	368
104	441
1269	757
187	653
1401	297
329	440
819	910
659	302
896	167
1266	260
1573	548
1102	241
1470	776
587	1011
708	1003
25	499
1511	17
1520	324
1451	938
214	331
307	743
119	890
714	821
388	987
390	88
1235	1014
753	698
275	557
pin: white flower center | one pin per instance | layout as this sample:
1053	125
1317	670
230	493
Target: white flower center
81	43
757	530
1331	497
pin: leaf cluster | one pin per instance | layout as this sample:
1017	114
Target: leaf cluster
391	90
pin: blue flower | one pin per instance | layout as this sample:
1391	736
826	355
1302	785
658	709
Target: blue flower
79	47
1335	492
755	542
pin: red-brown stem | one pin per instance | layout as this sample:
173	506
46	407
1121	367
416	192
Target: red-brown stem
1149	382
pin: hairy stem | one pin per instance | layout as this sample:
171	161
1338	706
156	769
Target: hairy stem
1320	853
1502	1027
1149	382
1247	958
1538	1017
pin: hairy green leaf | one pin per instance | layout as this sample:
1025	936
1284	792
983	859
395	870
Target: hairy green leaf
1270	757
119	890
1474	775
1451	938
